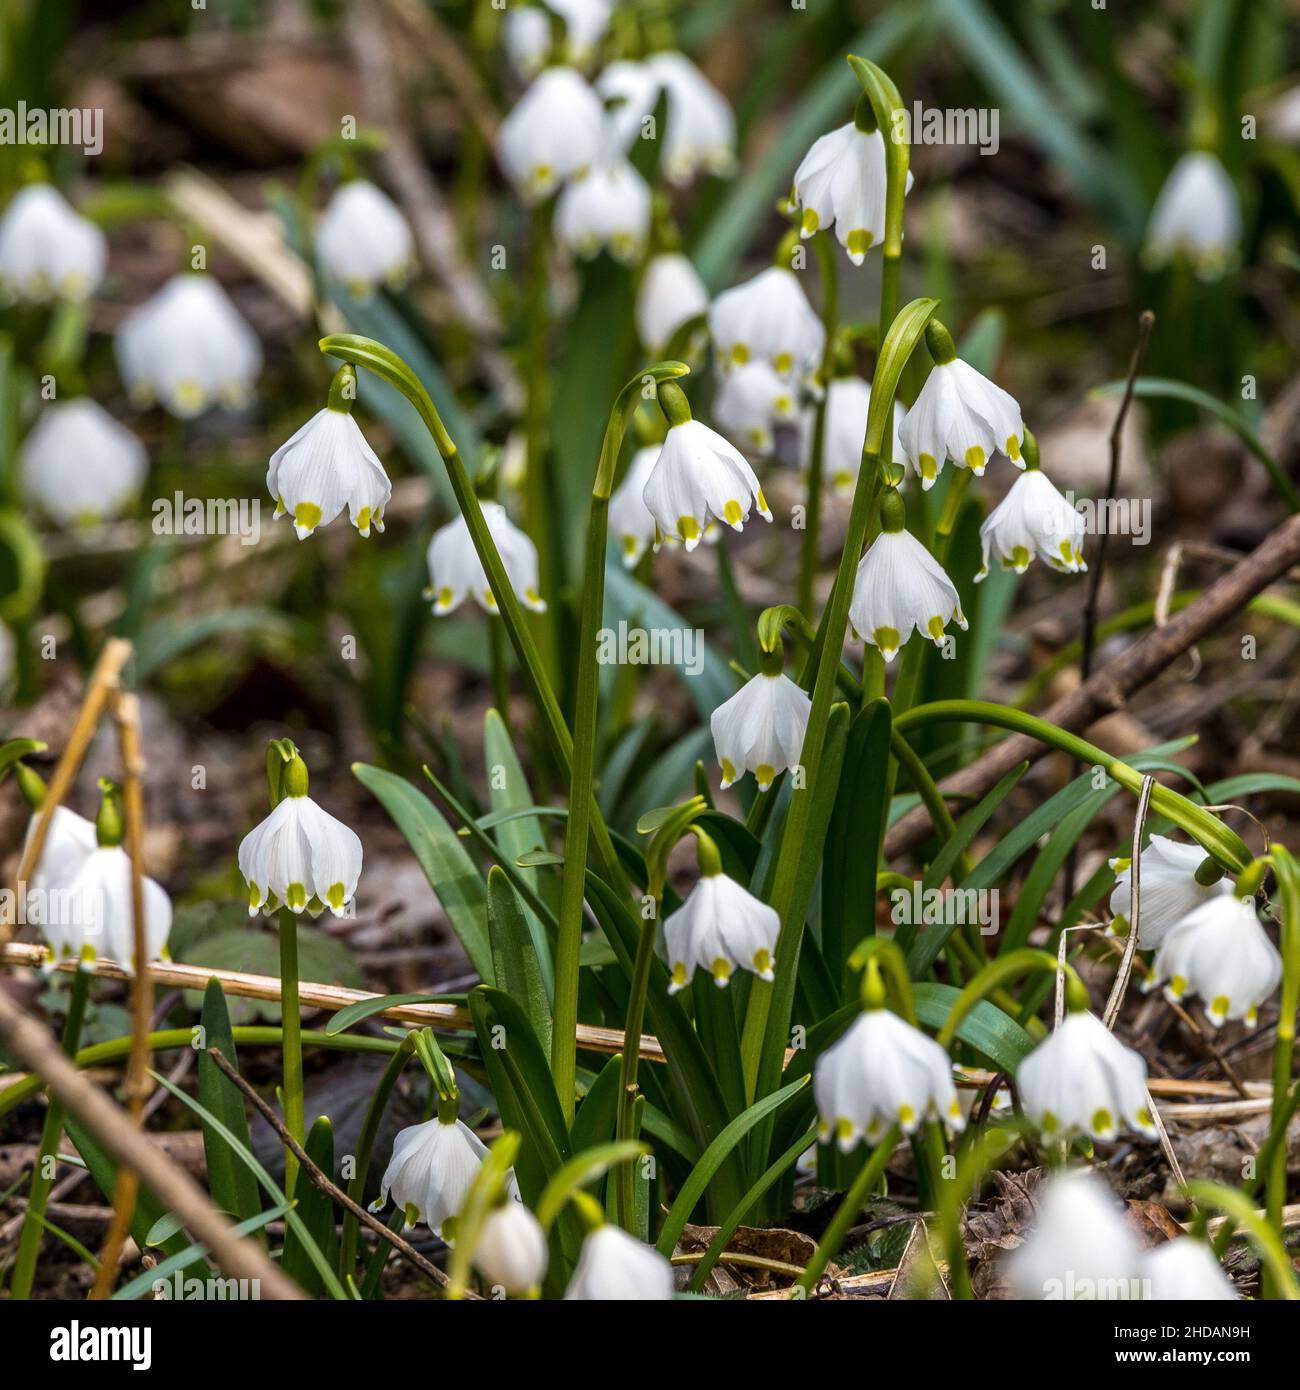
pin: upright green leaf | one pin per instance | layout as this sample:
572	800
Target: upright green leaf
317	1212
514	957
232	1186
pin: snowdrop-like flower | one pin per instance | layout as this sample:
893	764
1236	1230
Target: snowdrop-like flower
433	1166
528	35
325	467
47	250
1197	216
1170	892
1184	1270
615	1267
300	855
760	729
959	415
900	587
1033	519
455	570
721	928
511	1252
768	318
1081	1249
882	1072
101	910
363	240
842	181
698	477
630	522
671	294
1223	954
69	842
750	400
555	131
188	348
1083	1080
847	402
80	464
607	208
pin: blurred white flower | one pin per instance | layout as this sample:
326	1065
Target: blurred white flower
432	1169
1170	892
615	1267
554	131
511	1253
300	856
79	464
324	467
188	348
527	34
960	415
69	842
1197	217
1220	952
720	928
1185	1270
1083	1080
842	181
847	402
750	401
630	521
697	478
760	729
100	910
1282	119
882	1072
455	571
363	240
1033	519
900	587
768	318
671	294
605	209
47	249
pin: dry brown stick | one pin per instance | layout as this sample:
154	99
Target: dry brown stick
238	1257
1108	689
321	1180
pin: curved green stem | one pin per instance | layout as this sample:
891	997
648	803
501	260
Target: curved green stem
842	1222
1267	1242
1288	880
625	1130
291	1091
994	974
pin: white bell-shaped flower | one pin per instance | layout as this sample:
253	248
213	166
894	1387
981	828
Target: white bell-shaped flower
1196	217
101	903
750	401
605	209
1221	953
1033	519
768	318
614	1267
1170	892
1083	1080
1185	1270
842	181
527	34
432	1169
526	38
882	1072
847	401
79	464
300	856
671	294
324	468
1081	1250
555	131
363	240
760	729
47	249
69	842
511	1253
630	521
720	928
699	477
901	588
188	348
455	571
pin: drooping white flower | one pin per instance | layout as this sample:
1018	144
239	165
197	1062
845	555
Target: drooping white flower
100	904
760	729
901	588
720	928
511	1253
1220	952
605	209
750	401
768	318
960	415
1170	892
1033	519
1081	1248
1185	1270
527	34
80	464
1083	1080
847	401
325	467
363	240
455	571
69	842
555	131
630	521
431	1171
842	181
1196	217
615	1267
47	249
300	856
671	293
699	477
188	348
882	1072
